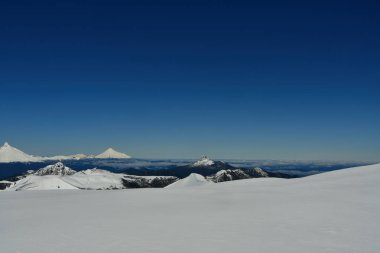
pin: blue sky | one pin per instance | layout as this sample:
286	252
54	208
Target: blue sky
176	79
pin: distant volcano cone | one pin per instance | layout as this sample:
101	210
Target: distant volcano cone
204	161
10	154
110	153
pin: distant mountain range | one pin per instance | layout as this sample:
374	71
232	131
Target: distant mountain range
9	154
59	176
208	167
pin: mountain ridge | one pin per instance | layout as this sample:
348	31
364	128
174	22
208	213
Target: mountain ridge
10	154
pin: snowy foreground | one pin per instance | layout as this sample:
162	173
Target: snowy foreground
333	212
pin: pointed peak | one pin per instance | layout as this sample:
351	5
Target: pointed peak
11	154
204	161
111	153
6	146
193	179
55	169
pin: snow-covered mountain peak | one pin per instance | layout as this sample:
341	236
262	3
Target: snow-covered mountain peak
6	145
204	161
193	179
111	153
56	169
11	154
260	172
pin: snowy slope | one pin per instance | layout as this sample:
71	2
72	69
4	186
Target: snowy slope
11	154
192	180
42	183
95	179
336	212
79	180
111	153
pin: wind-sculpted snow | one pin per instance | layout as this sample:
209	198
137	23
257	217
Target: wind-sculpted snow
335	212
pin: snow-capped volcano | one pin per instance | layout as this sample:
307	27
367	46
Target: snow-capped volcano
58	169
204	161
10	154
111	153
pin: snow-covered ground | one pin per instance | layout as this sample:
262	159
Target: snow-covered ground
333	212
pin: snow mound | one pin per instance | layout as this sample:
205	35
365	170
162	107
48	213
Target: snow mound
56	169
192	180
111	153
10	154
204	161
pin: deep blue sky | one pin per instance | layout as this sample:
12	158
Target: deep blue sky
176	79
